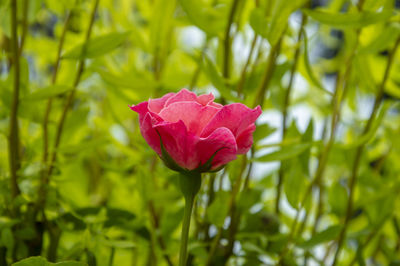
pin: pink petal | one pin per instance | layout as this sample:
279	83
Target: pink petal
205	99
178	143
183	96
217	105
156	105
236	116
194	115
245	140
222	142
142	110
149	133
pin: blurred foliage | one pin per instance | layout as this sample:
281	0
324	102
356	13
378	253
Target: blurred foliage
320	185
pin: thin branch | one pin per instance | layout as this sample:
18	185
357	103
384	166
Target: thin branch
286	107
227	40
24	25
246	65
45	176
269	70
81	67
13	144
360	149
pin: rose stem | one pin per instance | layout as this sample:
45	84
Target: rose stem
190	184
14	132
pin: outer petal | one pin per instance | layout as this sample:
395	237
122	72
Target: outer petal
222	143
149	133
245	140
178	143
194	115
142	109
237	117
156	105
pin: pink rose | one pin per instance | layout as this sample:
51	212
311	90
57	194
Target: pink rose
194	128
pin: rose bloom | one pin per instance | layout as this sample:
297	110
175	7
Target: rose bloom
194	128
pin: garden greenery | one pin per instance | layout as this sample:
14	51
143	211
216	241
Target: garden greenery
79	185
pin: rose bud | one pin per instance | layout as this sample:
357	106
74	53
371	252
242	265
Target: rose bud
192	133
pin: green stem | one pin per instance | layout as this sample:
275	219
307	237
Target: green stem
285	111
185	230
190	184
81	67
338	98
360	150
269	70
14	132
25	7
45	177
227	40
246	66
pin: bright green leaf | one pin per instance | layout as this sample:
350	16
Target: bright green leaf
97	46
286	152
326	235
47	92
40	261
345	20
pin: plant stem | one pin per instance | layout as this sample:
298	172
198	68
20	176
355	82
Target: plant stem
197	71
360	149
13	144
45	177
190	185
24	26
246	66
269	71
227	40
337	100
234	215
70	98
185	230
285	109
159	238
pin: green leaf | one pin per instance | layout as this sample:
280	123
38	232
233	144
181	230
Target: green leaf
295	184
209	19
219	208
6	237
346	20
216	78
248	198
160	23
263	131
273	27
365	138
259	22
381	40
326	235
308	71
97	46
280	16
337	198
47	92
40	261
307	137
286	152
